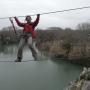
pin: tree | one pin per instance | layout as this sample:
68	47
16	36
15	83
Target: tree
67	47
83	26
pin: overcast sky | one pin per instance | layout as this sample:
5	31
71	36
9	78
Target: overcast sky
28	7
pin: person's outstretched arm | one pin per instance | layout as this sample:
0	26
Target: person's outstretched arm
18	22
36	21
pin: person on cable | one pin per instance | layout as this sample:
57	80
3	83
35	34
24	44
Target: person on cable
27	36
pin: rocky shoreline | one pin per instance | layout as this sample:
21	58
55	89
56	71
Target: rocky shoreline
82	82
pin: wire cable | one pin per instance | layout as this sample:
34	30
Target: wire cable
21	61
66	10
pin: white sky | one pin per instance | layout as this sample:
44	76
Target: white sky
28	7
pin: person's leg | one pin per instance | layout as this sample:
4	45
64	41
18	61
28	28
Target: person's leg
31	46
20	50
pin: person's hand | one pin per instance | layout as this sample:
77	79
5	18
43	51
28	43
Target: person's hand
15	17
10	18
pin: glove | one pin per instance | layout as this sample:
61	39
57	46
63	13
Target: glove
15	17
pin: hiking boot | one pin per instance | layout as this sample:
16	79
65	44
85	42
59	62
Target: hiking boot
35	57
18	59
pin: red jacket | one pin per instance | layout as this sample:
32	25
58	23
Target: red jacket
29	27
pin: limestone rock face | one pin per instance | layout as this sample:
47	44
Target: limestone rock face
86	85
82	83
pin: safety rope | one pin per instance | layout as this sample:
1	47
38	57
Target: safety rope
73	9
13	25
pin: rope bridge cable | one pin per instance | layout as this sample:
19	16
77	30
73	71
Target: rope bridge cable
66	10
21	61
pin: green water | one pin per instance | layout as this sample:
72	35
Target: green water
34	75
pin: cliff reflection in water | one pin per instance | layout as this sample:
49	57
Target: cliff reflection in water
8	49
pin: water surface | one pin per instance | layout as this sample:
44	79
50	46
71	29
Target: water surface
34	75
